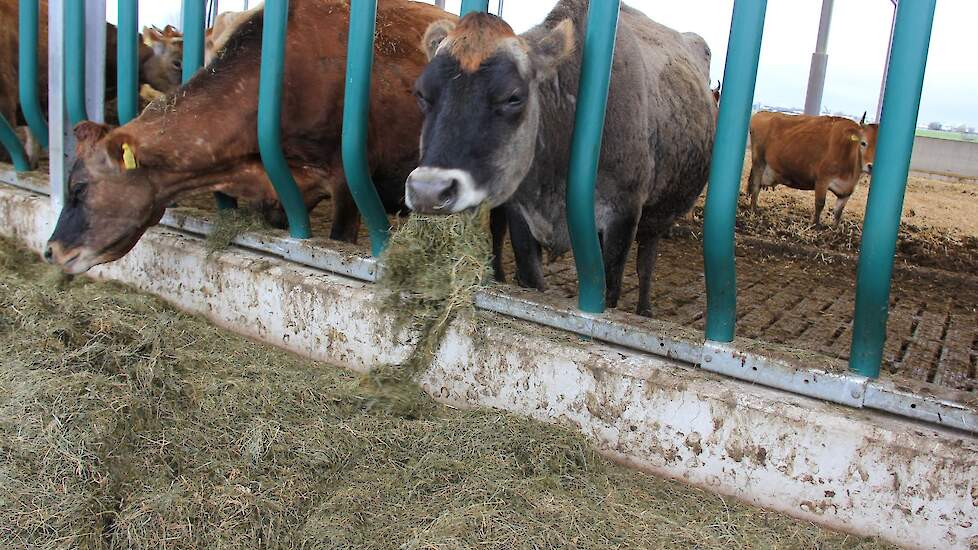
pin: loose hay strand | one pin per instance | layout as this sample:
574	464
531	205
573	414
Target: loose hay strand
232	223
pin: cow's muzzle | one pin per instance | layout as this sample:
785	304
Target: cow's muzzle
441	191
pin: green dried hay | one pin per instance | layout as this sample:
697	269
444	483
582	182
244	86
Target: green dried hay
433	266
127	424
231	224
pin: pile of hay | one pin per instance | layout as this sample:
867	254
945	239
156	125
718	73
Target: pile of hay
126	424
785	221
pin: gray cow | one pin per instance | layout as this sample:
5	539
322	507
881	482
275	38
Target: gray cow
499	116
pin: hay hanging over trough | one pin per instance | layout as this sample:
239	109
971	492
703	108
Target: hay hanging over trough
433	266
126	424
231	223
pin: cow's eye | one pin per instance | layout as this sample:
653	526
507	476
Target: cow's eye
423	102
515	100
864	144
76	194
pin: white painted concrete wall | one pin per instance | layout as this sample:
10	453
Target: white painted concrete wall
849	469
945	157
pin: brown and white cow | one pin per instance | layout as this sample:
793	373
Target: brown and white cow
204	136
818	153
499	116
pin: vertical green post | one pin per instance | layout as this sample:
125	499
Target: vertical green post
13	146
739	79
27	71
128	60
274	30
901	105
473	5
356	108
193	37
592	102
74	56
193	59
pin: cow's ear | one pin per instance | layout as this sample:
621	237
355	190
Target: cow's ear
550	50
121	153
153	38
435	35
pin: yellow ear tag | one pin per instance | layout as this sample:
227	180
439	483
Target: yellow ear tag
128	158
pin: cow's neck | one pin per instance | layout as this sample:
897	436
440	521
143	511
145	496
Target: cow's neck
197	129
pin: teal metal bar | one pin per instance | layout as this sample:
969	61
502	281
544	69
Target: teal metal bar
193	59
270	117
30	103
128	64
193	37
13	146
599	53
901	105
74	56
356	108
739	79
474	5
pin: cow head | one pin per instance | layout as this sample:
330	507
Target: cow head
480	97
110	203
162	63
867	145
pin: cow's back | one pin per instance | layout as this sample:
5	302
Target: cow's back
681	114
658	133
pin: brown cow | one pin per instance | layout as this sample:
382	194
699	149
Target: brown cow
203	137
810	152
159	63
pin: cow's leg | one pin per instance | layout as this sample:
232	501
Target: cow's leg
526	249
497	227
754	181
33	148
821	188
616	241
346	216
840	205
648	246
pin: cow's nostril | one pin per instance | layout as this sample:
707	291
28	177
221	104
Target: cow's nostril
448	194
48	254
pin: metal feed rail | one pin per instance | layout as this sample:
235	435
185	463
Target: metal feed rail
914	21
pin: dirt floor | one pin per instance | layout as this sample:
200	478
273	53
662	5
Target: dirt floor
127	424
796	284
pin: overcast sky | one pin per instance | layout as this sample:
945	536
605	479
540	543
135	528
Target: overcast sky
857	47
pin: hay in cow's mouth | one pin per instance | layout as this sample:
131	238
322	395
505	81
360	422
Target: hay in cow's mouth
127	424
433	266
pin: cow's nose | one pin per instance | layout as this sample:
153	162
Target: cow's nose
869	168
48	254
432	193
